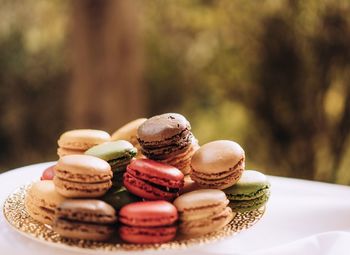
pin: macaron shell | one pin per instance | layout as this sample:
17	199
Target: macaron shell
81	190
113	150
250	185
83	168
162	127
87	210
148	214
128	131
144	235
82	139
206	225
199	199
156	172
80	230
212	181
217	156
249	205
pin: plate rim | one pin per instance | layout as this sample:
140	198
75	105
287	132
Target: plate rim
124	247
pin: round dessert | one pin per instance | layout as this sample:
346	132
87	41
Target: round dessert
128	132
148	222
203	211
118	154
79	140
82	176
251	192
48	173
87	219
153	180
168	138
218	164
119	197
41	201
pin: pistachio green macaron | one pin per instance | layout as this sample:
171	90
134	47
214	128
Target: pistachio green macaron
251	192
118	153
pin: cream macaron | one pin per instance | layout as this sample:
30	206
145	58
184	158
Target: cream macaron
218	164
79	140
41	201
203	211
82	176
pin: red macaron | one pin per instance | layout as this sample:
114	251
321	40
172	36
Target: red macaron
148	222
153	180
48	173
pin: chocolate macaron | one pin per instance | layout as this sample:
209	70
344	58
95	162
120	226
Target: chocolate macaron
87	219
82	176
218	164
153	180
79	140
148	222
168	138
203	211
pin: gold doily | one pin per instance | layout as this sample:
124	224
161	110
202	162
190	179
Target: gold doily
17	217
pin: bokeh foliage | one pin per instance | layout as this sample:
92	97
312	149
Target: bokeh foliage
271	75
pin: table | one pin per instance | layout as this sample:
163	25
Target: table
302	217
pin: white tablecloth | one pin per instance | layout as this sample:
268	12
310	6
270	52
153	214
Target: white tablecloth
302	217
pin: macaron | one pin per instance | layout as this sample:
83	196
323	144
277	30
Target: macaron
153	180
79	140
252	191
203	211
148	222
218	164
119	197
128	132
82	176
41	201
168	138
88	219
48	173
118	154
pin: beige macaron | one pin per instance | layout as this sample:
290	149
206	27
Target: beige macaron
41	201
218	164
203	211
79	140
82	176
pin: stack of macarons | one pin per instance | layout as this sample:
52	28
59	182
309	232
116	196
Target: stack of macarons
102	186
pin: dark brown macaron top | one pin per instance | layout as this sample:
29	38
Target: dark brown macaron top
162	127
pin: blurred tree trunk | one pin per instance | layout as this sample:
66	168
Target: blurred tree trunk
106	53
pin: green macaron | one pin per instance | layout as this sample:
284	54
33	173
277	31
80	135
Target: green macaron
118	197
251	192
118	154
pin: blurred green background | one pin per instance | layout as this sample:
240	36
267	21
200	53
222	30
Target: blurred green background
271	75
